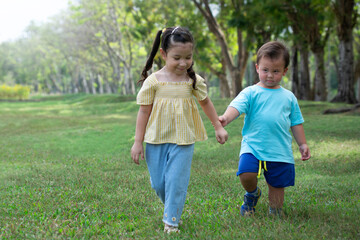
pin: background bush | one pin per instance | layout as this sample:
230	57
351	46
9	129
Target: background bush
18	92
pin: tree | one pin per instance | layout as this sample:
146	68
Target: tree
346	19
318	28
311	29
357	60
235	68
108	23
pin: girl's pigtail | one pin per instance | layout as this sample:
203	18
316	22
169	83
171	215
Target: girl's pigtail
192	75
150	60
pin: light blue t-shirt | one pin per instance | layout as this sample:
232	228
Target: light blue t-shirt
269	115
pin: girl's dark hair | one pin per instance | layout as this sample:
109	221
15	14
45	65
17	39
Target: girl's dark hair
274	50
169	37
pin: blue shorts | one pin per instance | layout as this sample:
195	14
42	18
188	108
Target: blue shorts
277	174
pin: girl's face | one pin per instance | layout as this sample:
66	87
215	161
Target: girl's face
270	72
178	58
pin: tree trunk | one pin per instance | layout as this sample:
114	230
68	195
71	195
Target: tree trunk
346	90
224	86
236	79
75	80
127	80
336	64
48	86
320	88
255	75
357	73
236	71
92	83
107	86
358	88
346	17
54	88
295	72
223	82
304	83
84	84
99	83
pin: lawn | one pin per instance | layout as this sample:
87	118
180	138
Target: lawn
66	173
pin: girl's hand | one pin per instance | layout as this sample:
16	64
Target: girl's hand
136	150
305	152
223	121
221	135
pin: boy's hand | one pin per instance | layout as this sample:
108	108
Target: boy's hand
136	150
221	135
223	121
305	152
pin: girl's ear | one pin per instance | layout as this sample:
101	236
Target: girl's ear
163	53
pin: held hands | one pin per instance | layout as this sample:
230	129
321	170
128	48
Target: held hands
221	135
136	150
223	120
305	152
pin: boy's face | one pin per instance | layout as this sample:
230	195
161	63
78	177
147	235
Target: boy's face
270	72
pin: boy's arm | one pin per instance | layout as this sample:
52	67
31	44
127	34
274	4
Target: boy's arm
299	135
230	114
141	122
209	109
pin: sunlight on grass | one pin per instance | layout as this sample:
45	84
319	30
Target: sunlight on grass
66	173
117	116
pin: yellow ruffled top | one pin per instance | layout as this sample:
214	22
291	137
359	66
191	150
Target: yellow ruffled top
174	117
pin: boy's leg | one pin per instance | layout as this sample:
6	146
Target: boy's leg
248	171
276	197
278	176
251	197
249	181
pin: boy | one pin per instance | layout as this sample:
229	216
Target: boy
270	112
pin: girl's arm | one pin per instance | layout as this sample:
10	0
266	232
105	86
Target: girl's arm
299	135
209	110
141	122
230	114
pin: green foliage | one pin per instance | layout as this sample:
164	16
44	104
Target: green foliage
66	173
18	92
111	39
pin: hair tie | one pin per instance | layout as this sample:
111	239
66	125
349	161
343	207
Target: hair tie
174	30
164	30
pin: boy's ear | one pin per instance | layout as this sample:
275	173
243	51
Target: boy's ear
285	70
257	67
163	53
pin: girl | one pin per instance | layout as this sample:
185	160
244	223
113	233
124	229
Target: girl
169	121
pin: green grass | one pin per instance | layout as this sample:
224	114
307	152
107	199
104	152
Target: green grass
66	173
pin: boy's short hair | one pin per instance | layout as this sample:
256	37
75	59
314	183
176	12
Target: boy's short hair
273	50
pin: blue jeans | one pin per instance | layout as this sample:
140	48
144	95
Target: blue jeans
169	167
